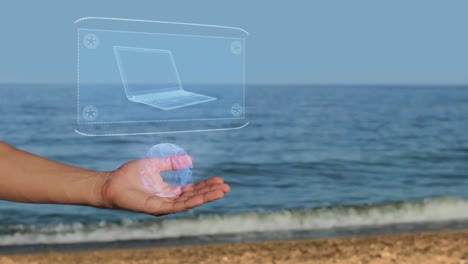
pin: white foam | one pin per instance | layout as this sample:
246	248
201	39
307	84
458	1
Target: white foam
435	210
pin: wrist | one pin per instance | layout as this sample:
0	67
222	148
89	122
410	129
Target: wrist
99	185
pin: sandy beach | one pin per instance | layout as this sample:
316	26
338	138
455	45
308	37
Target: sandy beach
434	247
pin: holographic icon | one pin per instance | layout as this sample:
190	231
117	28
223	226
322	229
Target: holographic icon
236	47
236	110
167	181
89	113
91	41
166	91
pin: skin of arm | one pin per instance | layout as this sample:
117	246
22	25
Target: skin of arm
28	178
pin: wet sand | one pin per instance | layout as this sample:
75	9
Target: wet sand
423	248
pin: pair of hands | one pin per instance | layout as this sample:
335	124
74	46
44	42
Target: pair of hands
124	188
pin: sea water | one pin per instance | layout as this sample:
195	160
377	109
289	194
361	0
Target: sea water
318	148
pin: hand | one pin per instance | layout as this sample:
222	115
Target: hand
124	188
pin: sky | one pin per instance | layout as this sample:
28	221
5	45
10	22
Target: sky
290	42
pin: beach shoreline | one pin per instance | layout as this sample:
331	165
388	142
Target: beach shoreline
427	247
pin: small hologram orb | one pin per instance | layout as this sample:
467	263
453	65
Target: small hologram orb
90	113
236	110
91	41
236	47
164	182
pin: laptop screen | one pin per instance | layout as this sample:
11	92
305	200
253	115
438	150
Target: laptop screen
146	71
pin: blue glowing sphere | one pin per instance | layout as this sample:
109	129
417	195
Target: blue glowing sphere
166	170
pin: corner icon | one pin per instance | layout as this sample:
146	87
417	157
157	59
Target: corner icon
91	41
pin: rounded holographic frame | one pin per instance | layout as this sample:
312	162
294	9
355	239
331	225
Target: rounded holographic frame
92	38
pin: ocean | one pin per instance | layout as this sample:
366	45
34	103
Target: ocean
314	161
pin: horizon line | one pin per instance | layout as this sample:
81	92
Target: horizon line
264	83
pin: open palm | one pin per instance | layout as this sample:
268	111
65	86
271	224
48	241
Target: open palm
124	188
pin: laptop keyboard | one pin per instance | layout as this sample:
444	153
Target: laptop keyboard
174	99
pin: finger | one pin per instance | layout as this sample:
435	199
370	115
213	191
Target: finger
188	197
218	186
210	181
176	162
198	200
179	162
194	201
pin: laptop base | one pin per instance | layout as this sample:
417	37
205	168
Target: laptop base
172	100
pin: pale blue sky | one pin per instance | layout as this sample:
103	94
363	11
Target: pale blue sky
352	42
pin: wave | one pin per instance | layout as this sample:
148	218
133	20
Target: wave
427	211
